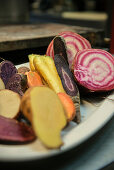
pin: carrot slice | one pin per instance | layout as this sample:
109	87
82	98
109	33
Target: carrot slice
33	79
68	105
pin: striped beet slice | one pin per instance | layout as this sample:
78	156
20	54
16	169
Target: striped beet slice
74	43
50	51
94	69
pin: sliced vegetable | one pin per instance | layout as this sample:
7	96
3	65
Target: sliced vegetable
17	83
23	70
33	79
42	107
45	66
68	105
67	78
14	131
31	58
69	83
2	85
59	47
94	69
7	70
74	43
9	103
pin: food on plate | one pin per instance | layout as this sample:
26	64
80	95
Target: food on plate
66	76
94	70
68	105
2	85
23	69
68	82
17	83
7	70
45	66
33	79
42	106
59	47
47	94
25	104
74	43
13	131
31	58
9	103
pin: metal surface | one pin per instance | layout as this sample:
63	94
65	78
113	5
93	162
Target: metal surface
15	37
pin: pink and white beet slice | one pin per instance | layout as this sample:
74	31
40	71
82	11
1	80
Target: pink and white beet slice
94	69
74	44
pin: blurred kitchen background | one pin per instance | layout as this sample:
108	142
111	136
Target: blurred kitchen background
94	19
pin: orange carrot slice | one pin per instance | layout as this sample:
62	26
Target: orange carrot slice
33	79
68	105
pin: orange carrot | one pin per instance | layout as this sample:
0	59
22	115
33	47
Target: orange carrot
33	79
68	105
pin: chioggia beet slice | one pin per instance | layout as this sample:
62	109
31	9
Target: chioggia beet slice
74	44
7	70
68	82
94	69
13	131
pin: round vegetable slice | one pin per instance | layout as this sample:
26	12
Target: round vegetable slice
9	103
7	70
94	69
74	43
17	83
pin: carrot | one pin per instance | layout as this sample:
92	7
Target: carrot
33	79
68	105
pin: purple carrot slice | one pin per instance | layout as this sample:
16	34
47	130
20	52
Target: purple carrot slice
7	70
66	76
17	83
13	131
68	82
60	46
94	70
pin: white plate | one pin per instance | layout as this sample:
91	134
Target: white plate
94	116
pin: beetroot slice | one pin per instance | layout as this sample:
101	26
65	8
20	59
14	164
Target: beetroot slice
7	70
74	44
94	69
13	131
17	83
